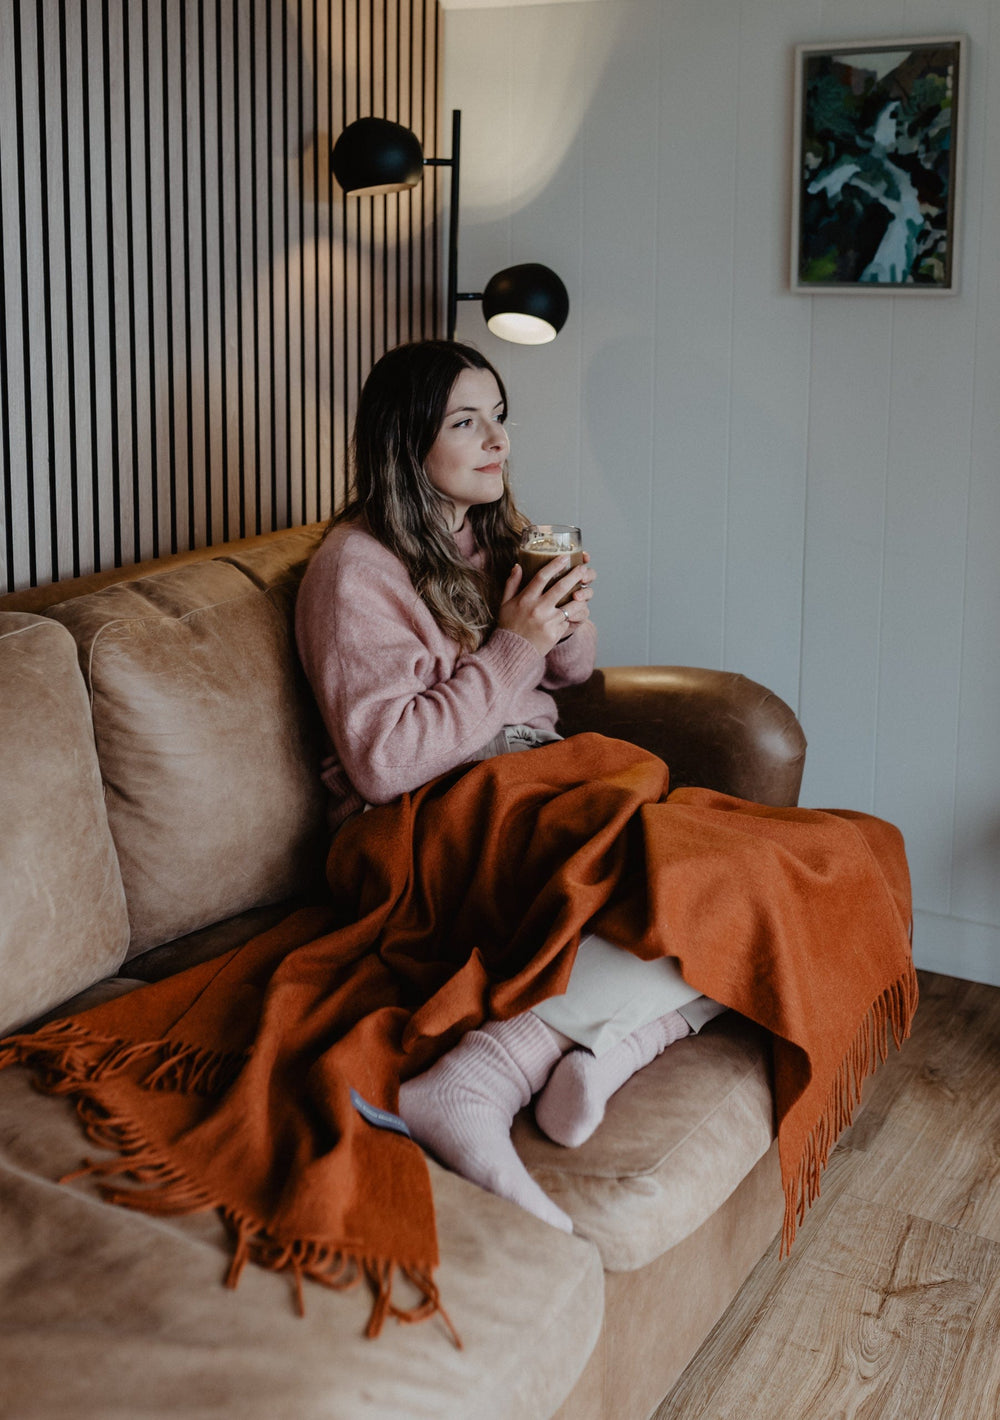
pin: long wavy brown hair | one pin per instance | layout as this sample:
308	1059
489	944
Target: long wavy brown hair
400	413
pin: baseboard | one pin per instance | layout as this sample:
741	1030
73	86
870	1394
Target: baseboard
957	947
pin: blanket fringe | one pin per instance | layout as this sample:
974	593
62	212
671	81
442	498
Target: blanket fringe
185	1070
65	1055
892	1011
67	1060
336	1268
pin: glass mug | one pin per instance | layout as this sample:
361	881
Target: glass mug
540	542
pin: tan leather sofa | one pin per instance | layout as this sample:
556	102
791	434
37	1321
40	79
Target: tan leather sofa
158	764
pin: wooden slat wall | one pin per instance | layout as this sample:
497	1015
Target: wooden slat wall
188	303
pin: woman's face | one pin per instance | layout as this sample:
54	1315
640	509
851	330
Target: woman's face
466	460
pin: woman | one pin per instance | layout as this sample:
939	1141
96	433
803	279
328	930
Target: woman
425	651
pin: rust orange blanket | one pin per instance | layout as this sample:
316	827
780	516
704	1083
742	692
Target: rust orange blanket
230	1085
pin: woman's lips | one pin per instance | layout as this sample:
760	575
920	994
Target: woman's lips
489	468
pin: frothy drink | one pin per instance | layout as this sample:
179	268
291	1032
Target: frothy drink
540	544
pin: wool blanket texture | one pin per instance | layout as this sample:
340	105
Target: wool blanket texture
235	1085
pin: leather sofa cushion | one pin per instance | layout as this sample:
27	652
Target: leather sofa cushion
195	947
64	923
650	1176
272	561
207	741
109	1312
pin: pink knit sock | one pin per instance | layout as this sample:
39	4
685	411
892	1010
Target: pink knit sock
462	1108
573	1102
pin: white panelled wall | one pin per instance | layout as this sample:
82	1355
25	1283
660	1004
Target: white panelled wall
804	489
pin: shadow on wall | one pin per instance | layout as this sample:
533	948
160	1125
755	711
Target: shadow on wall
547	122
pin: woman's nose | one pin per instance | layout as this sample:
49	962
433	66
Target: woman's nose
496	437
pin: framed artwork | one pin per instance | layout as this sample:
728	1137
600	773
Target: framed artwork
877	165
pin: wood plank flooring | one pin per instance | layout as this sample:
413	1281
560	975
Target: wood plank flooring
889	1306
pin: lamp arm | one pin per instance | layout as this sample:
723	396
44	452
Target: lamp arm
454	163
456	142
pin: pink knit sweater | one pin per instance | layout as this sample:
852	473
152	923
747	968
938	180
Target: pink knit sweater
401	703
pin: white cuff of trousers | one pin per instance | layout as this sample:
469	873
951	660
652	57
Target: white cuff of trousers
698	1013
611	993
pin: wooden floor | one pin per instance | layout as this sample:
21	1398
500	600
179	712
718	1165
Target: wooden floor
889	1305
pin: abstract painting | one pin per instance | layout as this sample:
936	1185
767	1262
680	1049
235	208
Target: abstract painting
876	166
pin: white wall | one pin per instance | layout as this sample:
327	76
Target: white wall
805	489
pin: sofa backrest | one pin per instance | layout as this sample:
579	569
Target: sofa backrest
63	921
207	737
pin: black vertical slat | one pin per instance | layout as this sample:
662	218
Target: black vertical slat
300	60
385	200
254	235
147	160
50	408
343	244
424	185
88	189
74	462
399	205
8	478
317	313
130	252
116	471
270	269
205	342
411	203
331	308
436	210
285	255
433	188
221	240
29	450
372	201
169	266
188	332
238	238
421	193
358	352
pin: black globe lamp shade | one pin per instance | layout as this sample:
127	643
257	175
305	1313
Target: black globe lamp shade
527	304
374	156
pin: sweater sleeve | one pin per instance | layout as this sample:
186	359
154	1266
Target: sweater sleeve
398	701
572	661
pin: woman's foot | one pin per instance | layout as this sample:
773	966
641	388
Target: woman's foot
573	1102
462	1108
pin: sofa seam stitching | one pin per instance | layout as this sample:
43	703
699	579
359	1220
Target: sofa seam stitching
108	626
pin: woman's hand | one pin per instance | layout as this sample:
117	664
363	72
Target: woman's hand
532	612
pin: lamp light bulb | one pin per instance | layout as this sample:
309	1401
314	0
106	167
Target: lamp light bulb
521	329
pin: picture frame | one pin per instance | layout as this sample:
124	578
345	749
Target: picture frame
876	166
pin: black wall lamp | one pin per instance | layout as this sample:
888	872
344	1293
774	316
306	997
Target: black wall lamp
527	304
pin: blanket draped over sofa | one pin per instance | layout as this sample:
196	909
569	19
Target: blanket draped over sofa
254	1083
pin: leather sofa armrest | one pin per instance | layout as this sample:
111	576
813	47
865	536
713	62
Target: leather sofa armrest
715	729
